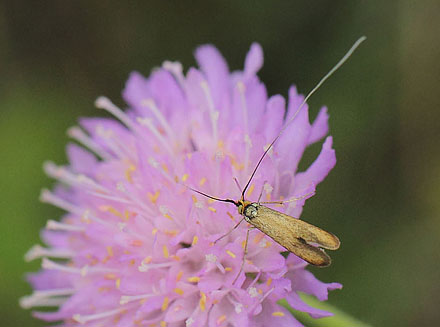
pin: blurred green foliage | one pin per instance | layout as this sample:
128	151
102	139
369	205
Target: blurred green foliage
56	57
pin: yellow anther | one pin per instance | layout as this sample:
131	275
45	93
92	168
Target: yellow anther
179	275
129	173
230	215
165	168
212	209
137	243
165	251
202	301
175	257
178	291
118	283
221	320
167	216
109	251
165	303
202	181
194	198
153	197
163	323
193	279
278	314
185	177
154	231
228	268
232	254
258	238
195	240
110	276
250	190
269	281
147	260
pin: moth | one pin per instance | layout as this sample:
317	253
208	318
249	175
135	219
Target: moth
296	236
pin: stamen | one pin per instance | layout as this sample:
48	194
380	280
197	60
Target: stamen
146	267
48	197
51	265
193	279
78	134
105	103
82	319
178	291
221	320
213	114
45	298
165	303
232	254
55	225
195	240
278	314
152	106
202	302
147	122
175	68
38	251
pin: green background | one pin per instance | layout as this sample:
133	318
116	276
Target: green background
381	199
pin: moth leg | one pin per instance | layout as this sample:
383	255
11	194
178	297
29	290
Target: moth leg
245	253
261	193
233	228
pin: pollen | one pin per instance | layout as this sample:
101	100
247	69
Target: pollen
147	260
167	216
129	173
250	190
232	254
165	251
202	181
195	240
221	320
185	177
278	314
202	301
178	291
136	243
165	303
258	238
193	279
109	251
153	197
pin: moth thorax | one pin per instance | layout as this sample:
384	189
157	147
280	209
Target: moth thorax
251	211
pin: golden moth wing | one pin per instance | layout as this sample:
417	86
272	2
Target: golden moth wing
294	234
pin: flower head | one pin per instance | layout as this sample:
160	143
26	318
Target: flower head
136	247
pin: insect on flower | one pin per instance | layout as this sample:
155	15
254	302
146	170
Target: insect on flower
132	249
295	235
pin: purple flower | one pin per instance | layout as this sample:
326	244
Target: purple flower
136	247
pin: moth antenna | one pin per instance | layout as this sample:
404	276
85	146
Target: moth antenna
289	200
211	197
330	73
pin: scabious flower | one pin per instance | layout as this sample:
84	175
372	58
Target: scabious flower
136	247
